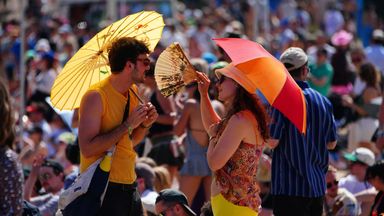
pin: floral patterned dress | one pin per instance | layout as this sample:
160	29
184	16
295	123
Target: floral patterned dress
237	179
11	183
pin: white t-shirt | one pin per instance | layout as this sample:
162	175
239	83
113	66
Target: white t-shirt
353	185
148	198
343	204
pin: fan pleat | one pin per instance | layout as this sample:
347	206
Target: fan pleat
173	70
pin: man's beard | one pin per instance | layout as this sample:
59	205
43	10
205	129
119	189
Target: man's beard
137	78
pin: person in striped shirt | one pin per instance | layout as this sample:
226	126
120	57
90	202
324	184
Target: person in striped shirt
300	161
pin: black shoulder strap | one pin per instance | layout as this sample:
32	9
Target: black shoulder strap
126	110
127	106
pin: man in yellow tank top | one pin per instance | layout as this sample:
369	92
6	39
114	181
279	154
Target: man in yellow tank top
101	124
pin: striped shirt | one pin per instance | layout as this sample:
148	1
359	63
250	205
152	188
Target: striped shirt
300	162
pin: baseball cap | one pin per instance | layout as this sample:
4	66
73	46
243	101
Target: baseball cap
32	108
54	165
35	107
67	138
362	155
171	195
294	56
218	65
378	34
43	45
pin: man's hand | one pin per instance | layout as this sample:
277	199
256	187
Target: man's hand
137	116
151	115
37	162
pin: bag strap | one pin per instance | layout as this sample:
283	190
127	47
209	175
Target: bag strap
125	116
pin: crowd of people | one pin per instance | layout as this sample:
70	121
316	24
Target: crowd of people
214	148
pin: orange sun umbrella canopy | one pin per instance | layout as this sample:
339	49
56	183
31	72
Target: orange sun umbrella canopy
265	73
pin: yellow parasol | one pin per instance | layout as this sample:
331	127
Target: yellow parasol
90	64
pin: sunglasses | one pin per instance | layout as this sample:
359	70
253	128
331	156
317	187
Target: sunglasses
330	184
146	61
45	177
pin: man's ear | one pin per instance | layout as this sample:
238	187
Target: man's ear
304	72
140	180
178	208
129	64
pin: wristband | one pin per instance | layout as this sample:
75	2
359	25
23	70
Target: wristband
129	128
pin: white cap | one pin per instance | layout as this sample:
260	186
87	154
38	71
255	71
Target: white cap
294	56
378	34
362	155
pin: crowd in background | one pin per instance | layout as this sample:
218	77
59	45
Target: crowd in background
346	65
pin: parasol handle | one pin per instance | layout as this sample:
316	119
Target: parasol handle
137	96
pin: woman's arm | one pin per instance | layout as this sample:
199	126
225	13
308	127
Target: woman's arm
208	114
237	129
182	123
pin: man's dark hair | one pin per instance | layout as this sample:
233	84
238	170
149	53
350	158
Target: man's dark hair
72	152
322	51
35	129
296	72
375	170
123	50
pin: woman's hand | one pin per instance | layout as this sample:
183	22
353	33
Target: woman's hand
203	83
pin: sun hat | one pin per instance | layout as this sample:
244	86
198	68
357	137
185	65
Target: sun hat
294	56
341	38
362	155
232	72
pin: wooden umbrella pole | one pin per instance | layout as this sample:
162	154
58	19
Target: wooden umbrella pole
137	96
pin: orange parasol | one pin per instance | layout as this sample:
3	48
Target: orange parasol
259	70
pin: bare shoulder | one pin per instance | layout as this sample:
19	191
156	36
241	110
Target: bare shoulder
244	125
241	120
245	118
91	101
91	96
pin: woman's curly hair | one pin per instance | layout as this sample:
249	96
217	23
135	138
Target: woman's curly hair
7	129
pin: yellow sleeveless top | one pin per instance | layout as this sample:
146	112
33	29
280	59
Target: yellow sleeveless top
123	161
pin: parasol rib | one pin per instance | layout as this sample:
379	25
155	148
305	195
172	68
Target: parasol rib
120	24
134	29
77	96
70	67
80	74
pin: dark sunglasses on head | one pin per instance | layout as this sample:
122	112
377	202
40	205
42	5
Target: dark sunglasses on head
330	184
146	61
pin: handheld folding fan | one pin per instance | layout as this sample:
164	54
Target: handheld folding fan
173	70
